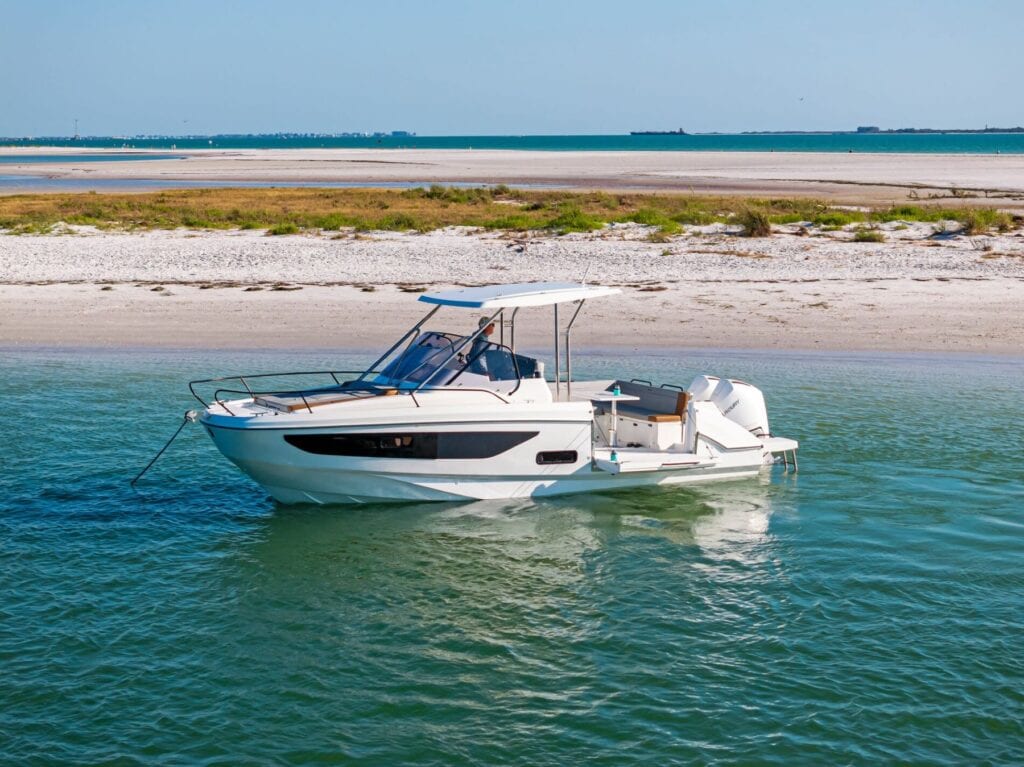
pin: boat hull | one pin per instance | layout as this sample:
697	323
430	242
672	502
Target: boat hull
341	487
292	476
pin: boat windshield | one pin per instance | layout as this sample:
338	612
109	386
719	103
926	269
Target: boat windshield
438	359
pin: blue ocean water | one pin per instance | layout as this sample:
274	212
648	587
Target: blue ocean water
928	143
865	610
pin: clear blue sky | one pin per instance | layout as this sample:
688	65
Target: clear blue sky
530	66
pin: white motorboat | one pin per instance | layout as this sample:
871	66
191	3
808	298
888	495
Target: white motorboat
447	417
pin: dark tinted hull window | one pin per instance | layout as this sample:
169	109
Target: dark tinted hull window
431	445
556	456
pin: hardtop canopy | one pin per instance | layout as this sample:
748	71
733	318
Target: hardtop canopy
518	294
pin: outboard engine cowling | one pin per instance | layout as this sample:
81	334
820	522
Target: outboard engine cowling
702	388
743	404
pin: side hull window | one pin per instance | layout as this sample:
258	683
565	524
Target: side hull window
549	457
428	445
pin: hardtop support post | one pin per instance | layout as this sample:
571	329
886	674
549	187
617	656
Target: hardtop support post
558	362
568	350
512	330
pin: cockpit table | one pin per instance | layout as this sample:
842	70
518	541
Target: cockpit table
614	399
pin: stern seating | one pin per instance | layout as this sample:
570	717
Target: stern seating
656	404
655	420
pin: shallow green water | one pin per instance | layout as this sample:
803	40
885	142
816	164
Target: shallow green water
868	610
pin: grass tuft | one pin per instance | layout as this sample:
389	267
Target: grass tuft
982	221
397	222
286	228
652	217
755	222
517	222
573	219
868	235
837	218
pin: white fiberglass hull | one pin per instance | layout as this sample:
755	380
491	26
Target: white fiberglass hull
369	488
292	476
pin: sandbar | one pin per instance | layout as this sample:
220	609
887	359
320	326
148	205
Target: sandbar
867	177
705	289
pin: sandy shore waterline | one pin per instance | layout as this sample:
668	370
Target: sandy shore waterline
713	290
874	178
984	318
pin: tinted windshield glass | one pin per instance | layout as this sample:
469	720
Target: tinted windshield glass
441	358
423	358
494	361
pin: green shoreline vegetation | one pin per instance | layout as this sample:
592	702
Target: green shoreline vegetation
283	211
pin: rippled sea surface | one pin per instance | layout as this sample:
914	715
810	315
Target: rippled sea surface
869	609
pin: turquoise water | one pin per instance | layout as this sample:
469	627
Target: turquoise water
930	143
866	610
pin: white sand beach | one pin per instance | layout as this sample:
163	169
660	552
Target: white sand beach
708	288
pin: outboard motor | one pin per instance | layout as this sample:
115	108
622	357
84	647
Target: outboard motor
743	404
702	387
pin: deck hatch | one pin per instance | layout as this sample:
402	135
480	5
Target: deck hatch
425	445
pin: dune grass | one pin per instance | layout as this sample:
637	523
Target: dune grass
863	234
283	211
283	228
755	222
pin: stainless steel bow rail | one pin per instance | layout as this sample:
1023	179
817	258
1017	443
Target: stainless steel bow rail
338	384
350	385
191	415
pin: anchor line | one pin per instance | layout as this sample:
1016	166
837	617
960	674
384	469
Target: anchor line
189	417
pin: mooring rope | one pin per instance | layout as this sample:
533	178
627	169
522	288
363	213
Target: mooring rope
190	416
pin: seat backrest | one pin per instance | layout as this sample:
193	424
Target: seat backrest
654	399
682	402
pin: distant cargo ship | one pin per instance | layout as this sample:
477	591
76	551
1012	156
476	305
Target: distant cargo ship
679	132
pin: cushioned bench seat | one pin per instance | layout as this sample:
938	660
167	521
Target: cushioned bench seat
656	404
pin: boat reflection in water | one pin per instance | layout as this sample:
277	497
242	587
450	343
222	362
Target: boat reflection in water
560	605
521	542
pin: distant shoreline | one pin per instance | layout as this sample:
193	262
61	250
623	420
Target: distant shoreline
879	132
411	137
